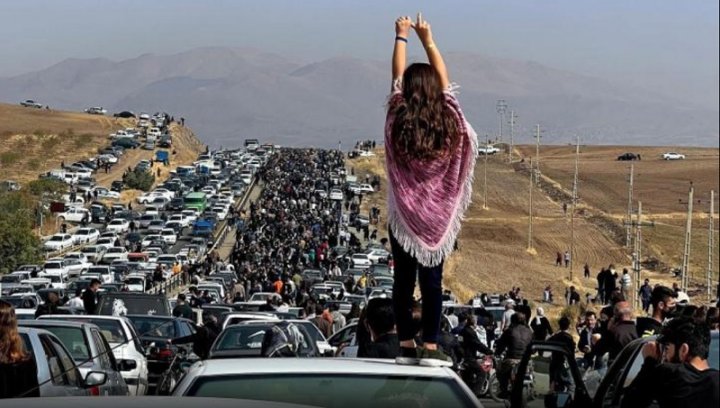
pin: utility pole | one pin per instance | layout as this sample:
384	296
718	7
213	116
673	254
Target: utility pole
638	254
530	211
485	190
628	227
513	117
688	238
501	109
537	154
574	206
711	244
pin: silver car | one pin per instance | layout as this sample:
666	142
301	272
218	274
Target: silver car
327	382
90	351
57	374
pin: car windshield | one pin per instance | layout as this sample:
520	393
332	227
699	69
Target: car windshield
10	279
336	390
52	265
153	327
56	238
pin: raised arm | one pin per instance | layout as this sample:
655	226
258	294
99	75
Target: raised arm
422	28
402	30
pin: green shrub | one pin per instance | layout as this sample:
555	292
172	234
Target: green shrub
139	180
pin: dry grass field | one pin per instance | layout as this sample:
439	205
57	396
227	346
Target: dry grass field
494	256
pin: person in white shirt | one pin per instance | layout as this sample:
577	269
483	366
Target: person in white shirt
76	302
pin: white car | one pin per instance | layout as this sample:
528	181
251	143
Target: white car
336	194
59	242
114	253
365	188
191	215
76	267
673	156
108	158
55	267
148	197
93	252
103	271
96	110
489	150
376	255
361	261
383	382
135	282
74	214
168	235
105	243
221	212
181	218
124	343
105	193
165	193
118	225
366	153
86	235
56	281
148	239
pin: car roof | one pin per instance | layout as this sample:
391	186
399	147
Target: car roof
55	323
315	366
144	401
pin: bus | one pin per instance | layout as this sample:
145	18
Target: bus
195	201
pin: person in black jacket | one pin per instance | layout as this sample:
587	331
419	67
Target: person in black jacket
540	325
203	338
514	341
18	372
472	348
676	372
50	307
380	321
90	297
560	377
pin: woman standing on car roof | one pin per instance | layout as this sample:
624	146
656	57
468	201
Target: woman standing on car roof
18	373
430	157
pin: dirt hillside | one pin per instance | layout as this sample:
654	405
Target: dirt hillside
494	256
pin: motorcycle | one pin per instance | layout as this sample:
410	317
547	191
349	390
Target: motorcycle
172	375
529	393
478	374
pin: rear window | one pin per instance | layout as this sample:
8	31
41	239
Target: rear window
111	329
118	304
336	391
150	327
74	340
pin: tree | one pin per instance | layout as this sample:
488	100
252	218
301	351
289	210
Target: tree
18	244
139	179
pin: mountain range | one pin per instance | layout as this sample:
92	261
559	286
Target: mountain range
229	94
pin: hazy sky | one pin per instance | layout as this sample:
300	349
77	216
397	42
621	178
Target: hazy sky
667	45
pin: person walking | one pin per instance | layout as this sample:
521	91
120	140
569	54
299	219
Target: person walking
645	293
90	297
586	271
625	284
424	222
18	372
567	259
558	259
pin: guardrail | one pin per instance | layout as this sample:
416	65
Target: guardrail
222	234
174	282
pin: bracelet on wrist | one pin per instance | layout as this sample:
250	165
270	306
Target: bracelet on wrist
401	38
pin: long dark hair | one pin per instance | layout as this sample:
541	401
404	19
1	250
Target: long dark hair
425	127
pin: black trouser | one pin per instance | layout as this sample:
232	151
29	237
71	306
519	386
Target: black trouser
406	273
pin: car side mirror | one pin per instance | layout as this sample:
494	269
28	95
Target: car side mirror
127	365
95	378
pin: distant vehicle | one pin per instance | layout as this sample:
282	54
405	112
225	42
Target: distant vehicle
673	156
336	194
628	157
488	150
125	114
9	185
96	110
126	142
29	103
74	214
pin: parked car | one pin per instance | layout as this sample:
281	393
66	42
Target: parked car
673	156
90	351
29	103
628	157
118	225
56	370
327	382
74	214
86	235
96	110
59	242
488	150
124	343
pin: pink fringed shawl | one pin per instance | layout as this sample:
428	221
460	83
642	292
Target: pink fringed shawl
427	200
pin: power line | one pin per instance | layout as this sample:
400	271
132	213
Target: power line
637	253
537	154
711	244
513	117
485	191
501	109
530	211
628	227
688	240
574	206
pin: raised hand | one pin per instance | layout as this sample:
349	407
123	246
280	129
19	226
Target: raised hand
402	26
422	28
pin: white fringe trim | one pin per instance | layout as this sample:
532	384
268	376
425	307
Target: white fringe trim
410	243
